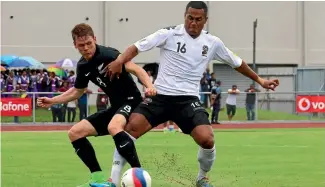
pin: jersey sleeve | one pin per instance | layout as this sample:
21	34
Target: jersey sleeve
82	80
224	55
156	39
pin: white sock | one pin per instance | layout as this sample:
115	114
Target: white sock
206	159
118	165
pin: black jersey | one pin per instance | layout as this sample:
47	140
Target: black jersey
118	90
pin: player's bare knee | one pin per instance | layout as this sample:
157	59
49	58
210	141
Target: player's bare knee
74	134
116	124
114	129
207	142
81	130
204	136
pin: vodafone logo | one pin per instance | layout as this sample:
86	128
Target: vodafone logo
14	107
310	103
304	104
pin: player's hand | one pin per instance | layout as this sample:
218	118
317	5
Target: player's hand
151	92
44	102
270	84
114	68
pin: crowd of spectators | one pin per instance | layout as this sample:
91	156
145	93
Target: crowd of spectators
15	83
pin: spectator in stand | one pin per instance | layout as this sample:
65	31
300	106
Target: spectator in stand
54	82
23	80
10	83
64	88
204	88
72	107
82	104
71	78
2	84
33	81
208	75
44	82
18	74
250	101
212	81
57	111
231	102
215	102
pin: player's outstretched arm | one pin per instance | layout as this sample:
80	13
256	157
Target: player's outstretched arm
128	55
248	72
142	75
70	95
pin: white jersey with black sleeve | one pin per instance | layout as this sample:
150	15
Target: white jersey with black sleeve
183	59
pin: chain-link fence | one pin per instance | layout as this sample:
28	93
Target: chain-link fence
267	106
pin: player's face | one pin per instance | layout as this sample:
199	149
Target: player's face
195	20
86	46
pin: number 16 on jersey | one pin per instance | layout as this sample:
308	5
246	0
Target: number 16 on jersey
195	104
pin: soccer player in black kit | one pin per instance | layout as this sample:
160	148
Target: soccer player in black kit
122	92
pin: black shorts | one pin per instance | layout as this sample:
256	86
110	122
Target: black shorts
231	109
101	119
185	111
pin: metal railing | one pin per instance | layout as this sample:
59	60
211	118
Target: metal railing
267	106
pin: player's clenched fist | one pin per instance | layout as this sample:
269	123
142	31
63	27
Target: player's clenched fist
44	102
151	91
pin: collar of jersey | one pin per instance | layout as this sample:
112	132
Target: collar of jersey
182	31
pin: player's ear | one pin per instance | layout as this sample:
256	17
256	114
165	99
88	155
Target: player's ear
74	44
95	39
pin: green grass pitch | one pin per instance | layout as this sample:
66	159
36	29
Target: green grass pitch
245	158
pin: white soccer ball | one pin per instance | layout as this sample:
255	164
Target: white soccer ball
136	177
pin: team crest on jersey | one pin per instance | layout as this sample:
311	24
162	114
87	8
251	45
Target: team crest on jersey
100	68
205	50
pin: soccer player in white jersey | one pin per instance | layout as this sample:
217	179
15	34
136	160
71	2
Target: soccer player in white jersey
185	51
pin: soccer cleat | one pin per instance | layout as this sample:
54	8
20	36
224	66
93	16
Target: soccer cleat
204	182
96	177
104	184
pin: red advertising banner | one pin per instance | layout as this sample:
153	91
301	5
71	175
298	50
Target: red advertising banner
16	107
310	103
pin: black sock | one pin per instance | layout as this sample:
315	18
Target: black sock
125	146
86	153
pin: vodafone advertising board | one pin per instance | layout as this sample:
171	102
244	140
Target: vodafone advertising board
16	106
310	103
